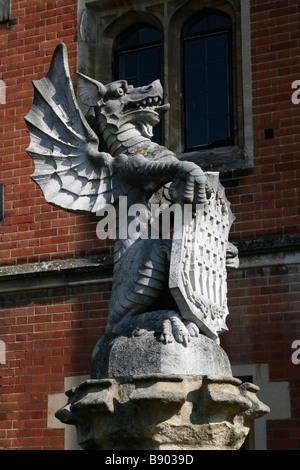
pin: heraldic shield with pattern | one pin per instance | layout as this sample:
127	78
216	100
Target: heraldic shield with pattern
198	273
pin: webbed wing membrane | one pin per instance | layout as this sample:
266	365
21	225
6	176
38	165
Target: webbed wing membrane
69	169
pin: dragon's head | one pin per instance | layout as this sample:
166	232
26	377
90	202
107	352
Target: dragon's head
122	104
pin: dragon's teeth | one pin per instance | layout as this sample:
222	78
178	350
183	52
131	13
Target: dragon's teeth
149	102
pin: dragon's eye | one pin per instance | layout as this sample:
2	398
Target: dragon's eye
120	91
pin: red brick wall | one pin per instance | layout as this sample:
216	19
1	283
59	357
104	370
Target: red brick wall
264	302
265	198
50	334
263	323
33	230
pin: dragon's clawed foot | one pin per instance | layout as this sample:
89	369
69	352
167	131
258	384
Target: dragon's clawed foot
190	185
192	329
174	328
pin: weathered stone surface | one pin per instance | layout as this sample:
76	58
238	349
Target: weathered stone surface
144	354
159	411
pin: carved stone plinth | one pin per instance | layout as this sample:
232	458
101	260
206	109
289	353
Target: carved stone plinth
142	353
162	412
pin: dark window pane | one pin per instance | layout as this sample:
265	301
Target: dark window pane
196	107
197	134
199	28
218	22
195	53
195	79
208	24
150	61
140	67
217	75
140	37
217	103
148	35
219	129
128	65
217	48
208	88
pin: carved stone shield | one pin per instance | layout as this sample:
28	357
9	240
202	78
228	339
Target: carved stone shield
198	275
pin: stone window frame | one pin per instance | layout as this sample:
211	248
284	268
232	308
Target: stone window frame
100	22
5	11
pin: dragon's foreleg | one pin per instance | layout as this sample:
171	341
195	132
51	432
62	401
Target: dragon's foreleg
188	181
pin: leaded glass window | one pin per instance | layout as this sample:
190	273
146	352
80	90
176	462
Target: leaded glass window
208	111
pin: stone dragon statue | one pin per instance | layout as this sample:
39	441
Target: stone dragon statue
76	176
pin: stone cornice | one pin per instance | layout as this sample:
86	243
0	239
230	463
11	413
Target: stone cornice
254	253
55	274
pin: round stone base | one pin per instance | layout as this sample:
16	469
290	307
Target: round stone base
145	354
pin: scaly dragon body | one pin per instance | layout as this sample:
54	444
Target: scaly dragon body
75	176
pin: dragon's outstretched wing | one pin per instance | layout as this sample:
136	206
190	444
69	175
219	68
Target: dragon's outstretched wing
69	169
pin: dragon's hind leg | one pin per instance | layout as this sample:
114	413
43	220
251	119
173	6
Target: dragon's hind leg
140	280
141	300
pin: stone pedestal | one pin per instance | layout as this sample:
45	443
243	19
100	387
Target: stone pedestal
142	354
146	395
162	412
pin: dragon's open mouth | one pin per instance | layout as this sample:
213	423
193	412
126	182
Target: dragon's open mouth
150	103
146	113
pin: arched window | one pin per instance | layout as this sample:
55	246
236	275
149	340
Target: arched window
138	59
138	56
208	110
